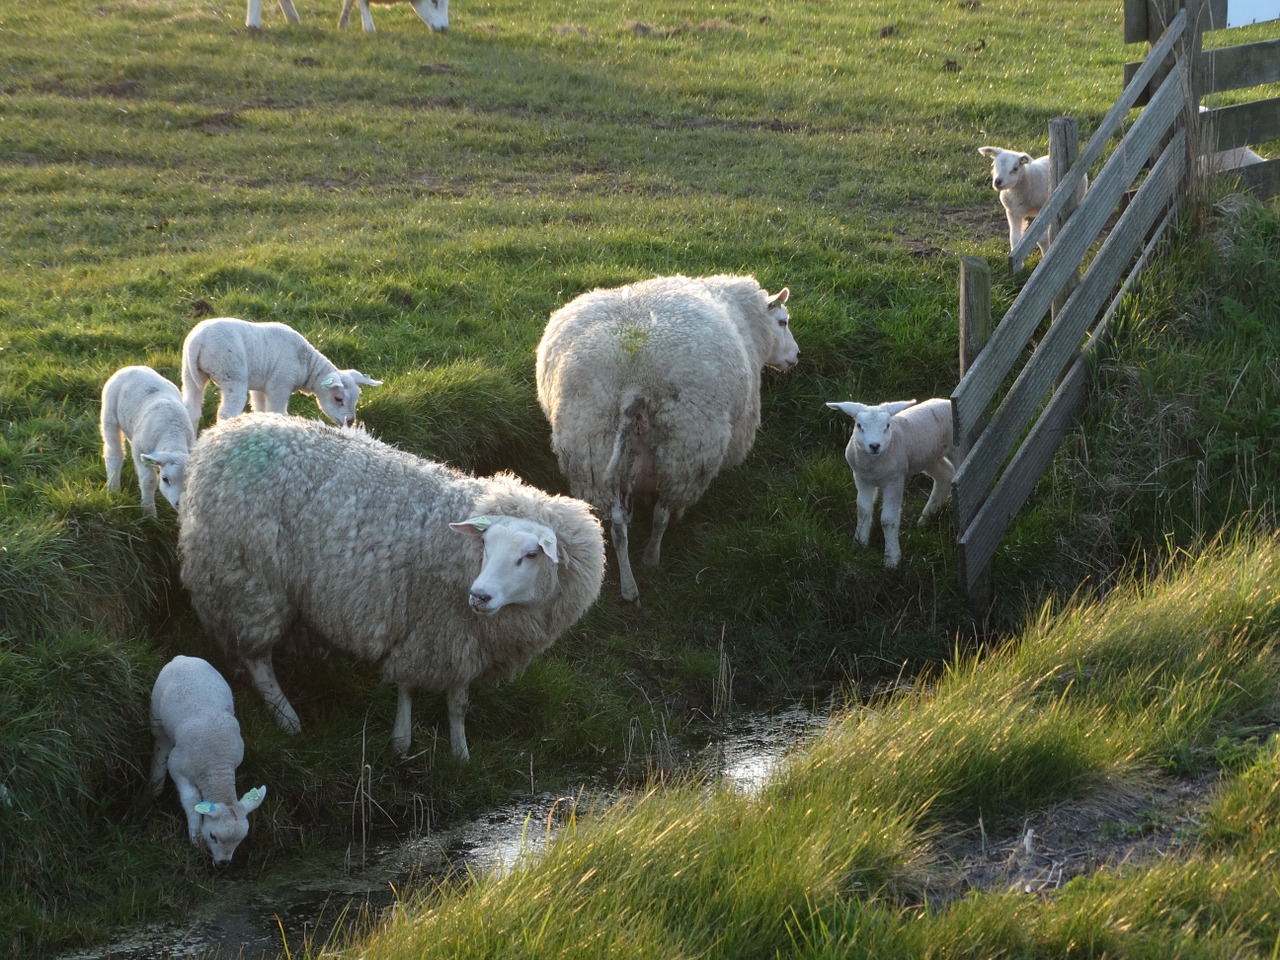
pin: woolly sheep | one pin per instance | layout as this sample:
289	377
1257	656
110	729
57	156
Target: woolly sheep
889	442
1024	187
144	408
263	363
253	17
434	13
653	388
197	742
289	521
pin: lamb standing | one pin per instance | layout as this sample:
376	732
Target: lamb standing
144	408
253	16
889	442
1024	187
198	743
434	13
653	388
291	521
263	363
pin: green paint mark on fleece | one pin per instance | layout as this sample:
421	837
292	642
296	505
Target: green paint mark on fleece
632	339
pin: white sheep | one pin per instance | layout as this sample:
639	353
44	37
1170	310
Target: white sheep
144	408
1024	187
653	388
263	363
438	577
198	743
891	441
253	17
434	13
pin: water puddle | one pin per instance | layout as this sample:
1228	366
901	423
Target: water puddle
266	917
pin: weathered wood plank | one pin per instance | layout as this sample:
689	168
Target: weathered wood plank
1245	123
1061	342
1135	21
1244	65
1262	179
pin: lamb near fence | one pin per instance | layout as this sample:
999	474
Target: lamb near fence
434	13
141	406
198	743
253	17
439	578
264	364
653	388
890	442
1023	183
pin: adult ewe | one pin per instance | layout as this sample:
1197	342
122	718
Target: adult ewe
144	408
438	577
652	388
434	13
263	363
197	742
890	442
1023	184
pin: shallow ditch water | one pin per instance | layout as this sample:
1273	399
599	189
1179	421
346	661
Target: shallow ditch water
262	919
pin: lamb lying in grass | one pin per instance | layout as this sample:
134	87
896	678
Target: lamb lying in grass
144	408
1024	187
891	441
263	364
197	742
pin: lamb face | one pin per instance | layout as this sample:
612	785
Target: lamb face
873	426
339	393
170	470
224	825
517	556
1006	166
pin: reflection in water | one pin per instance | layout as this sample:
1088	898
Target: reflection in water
254	920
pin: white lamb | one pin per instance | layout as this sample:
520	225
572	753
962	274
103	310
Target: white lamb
198	743
438	577
263	363
253	18
144	408
434	13
653	388
1024	187
891	441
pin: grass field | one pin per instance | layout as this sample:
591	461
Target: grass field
417	204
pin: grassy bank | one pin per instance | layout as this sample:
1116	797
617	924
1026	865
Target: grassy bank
417	205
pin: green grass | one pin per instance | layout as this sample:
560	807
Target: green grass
417	205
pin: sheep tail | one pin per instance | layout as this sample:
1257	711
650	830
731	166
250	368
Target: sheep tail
634	411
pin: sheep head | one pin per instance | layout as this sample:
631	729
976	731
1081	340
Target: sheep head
872	425
1006	166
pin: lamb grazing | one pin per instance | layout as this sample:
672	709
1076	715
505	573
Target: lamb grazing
144	408
653	388
198	743
263	363
1024	187
253	18
889	442
438	577
434	13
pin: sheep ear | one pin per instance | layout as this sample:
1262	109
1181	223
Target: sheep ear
476	526
253	799
779	298
153	460
1024	159
548	544
360	378
897	406
852	409
207	807
331	381
988	151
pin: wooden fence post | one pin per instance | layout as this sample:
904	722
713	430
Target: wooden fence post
1064	150
975	330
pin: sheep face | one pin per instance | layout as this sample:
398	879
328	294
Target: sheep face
170	470
872	426
339	393
434	13
1006	166
785	352
519	555
224	825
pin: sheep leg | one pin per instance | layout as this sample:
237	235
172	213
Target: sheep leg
618	533
147	483
867	493
235	397
402	732
457	698
189	796
890	517
366	17
345	18
290	14
263	675
113	454
1015	227
653	549
258	401
159	760
253	17
941	472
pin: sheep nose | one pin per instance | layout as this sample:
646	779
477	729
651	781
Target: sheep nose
873	448
348	421
480	599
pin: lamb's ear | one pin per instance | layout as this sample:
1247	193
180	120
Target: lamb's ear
360	378
207	807
988	151
331	381
852	409
897	406
1024	159
779	298
547	542
476	526
153	461
253	799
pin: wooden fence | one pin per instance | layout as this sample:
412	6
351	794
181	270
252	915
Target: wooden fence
1011	437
